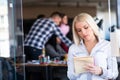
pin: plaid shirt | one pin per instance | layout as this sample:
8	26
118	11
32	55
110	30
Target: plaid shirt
41	31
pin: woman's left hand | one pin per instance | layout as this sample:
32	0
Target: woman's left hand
94	69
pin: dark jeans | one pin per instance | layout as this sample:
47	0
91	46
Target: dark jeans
32	53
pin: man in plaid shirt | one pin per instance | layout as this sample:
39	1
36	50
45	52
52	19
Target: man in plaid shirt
40	33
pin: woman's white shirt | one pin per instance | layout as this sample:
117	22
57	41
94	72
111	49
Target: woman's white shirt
102	58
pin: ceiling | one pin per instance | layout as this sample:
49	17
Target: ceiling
65	2
26	1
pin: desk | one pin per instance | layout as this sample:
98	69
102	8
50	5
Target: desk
37	71
48	71
57	70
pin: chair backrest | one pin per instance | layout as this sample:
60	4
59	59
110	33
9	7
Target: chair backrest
6	69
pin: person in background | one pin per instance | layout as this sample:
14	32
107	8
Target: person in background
65	28
53	49
40	33
88	42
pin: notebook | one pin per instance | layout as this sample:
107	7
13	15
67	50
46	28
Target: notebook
80	62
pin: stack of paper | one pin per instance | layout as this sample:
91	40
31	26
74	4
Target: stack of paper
80	62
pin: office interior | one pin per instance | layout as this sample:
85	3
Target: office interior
17	17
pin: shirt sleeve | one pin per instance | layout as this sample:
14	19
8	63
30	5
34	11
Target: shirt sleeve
112	71
62	37
112	68
70	72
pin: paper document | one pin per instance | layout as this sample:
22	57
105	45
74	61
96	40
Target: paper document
80	62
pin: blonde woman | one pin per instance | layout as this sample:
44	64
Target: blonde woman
88	42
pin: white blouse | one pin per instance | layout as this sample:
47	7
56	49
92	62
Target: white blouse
102	58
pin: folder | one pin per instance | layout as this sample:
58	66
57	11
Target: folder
80	62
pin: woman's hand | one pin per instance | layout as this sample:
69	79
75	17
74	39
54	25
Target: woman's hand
93	69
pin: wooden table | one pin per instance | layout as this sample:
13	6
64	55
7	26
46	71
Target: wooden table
57	69
48	70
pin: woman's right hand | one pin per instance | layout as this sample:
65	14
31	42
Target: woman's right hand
93	69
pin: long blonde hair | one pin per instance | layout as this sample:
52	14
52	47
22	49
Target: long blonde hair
87	18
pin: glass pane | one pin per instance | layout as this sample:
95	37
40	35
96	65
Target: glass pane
103	11
11	40
113	27
4	30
